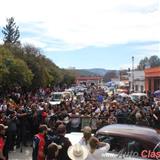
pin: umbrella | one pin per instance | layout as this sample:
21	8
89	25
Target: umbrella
123	95
157	93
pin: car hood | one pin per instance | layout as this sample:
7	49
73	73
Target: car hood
74	137
54	102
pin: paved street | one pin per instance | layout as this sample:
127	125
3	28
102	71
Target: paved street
25	155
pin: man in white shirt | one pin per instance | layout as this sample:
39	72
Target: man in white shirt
97	149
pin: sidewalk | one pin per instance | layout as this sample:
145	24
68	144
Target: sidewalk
26	154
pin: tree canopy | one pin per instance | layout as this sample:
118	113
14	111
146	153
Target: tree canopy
109	75
26	66
153	61
13	71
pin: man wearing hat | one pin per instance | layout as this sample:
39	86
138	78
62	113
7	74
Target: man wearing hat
77	152
2	141
39	143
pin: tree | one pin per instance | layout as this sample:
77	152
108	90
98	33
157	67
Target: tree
143	63
68	77
109	75
14	72
26	67
153	61
11	32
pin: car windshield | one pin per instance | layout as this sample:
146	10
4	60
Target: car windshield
56	97
134	97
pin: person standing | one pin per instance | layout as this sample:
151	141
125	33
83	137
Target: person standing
2	141
97	149
77	152
87	134
63	141
39	143
53	151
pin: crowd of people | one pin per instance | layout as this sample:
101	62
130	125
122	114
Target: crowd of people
29	116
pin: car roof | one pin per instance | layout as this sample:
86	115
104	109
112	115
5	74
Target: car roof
131	131
58	93
138	94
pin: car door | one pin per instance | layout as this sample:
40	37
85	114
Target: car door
123	147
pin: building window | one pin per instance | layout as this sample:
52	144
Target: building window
136	87
156	84
142	89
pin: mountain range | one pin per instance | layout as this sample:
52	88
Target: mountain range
92	72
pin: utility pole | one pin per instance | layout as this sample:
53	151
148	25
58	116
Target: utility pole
133	73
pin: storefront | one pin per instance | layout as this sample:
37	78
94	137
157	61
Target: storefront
89	80
152	79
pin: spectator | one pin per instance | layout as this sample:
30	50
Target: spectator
53	151
77	152
97	149
2	142
75	121
39	143
12	129
87	134
63	141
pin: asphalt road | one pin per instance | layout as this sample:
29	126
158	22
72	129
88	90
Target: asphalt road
26	154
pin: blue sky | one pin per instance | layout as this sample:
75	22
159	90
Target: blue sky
88	33
113	57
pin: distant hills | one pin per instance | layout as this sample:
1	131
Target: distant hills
98	71
95	72
92	72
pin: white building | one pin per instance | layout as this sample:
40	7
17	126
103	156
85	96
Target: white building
138	81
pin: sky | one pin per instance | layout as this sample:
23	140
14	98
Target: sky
88	33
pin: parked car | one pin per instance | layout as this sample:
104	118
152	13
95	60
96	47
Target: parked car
58	97
133	141
136	97
119	137
74	137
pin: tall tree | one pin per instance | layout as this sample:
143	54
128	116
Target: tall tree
109	75
153	61
143	63
11	32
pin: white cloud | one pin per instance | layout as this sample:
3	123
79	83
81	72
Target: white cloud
83	23
34	41
147	50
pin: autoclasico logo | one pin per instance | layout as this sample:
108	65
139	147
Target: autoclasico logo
145	154
150	154
155	154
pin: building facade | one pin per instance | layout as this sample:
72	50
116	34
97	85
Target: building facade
89	80
138	81
152	79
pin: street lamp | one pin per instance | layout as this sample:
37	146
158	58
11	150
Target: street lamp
133	73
